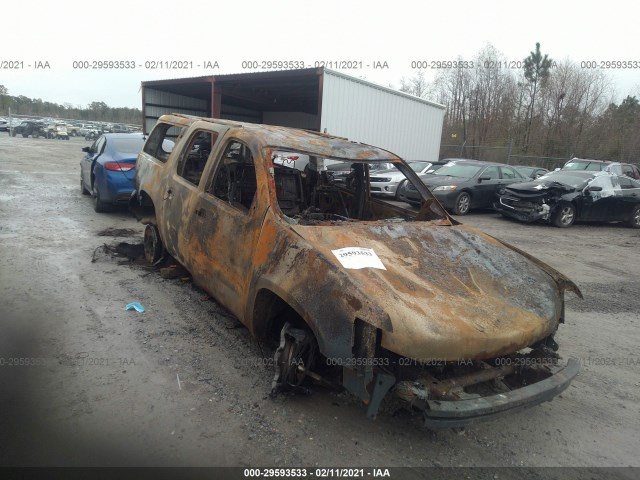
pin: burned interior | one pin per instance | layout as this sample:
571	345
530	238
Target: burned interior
309	192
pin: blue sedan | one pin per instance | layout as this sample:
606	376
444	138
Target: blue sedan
108	169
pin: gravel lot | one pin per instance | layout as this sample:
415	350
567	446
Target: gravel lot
182	384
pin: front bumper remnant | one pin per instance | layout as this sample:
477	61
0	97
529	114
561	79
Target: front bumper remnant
458	413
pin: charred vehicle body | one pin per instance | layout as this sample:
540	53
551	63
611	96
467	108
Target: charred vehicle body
351	290
566	196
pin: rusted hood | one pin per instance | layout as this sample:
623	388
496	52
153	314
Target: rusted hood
451	292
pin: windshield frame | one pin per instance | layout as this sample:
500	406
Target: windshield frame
401	167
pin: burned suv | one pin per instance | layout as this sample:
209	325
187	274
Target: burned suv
351	290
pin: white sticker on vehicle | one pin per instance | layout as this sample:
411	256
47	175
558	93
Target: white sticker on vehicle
356	258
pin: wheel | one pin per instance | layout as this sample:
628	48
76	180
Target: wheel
83	189
396	196
634	220
24	135
153	249
463	203
295	355
564	215
98	205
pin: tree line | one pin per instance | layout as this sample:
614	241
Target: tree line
543	108
95	111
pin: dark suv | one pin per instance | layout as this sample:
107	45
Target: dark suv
30	127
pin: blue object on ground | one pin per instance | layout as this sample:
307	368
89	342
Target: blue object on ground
135	306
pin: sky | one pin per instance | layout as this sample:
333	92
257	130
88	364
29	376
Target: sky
66	36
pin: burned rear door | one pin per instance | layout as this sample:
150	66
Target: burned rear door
224	223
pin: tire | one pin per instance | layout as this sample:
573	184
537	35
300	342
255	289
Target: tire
83	189
24	135
98	205
463	204
564	216
634	219
396	195
153	249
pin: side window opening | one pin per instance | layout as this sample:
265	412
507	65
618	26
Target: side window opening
625	183
161	141
235	177
195	156
491	172
508	172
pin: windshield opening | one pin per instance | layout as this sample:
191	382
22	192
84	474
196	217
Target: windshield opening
321	190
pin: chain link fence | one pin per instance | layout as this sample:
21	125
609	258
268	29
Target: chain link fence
501	155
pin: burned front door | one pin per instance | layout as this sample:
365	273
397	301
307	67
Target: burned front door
224	226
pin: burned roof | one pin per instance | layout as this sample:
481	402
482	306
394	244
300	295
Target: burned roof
298	140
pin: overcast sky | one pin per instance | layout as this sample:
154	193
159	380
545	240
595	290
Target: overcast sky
62	32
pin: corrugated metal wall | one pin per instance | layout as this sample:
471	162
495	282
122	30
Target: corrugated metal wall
291	119
379	116
157	103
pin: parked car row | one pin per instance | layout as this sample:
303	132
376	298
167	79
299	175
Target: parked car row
48	128
583	190
37	129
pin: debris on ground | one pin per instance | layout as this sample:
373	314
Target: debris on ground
173	271
135	306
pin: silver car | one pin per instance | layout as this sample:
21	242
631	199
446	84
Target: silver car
386	182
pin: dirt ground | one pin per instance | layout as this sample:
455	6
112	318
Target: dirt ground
182	384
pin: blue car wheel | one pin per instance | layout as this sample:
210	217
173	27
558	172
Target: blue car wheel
98	205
